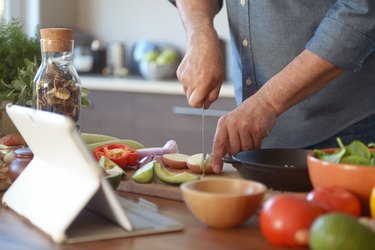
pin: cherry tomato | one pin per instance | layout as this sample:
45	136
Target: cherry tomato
334	199
285	220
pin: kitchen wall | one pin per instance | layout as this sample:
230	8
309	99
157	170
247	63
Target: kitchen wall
129	20
112	20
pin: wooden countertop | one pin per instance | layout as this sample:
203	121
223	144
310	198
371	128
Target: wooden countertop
18	234
170	87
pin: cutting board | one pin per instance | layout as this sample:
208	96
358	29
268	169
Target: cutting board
160	189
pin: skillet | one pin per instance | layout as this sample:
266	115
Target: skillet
278	168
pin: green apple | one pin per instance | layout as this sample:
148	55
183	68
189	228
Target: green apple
167	56
151	56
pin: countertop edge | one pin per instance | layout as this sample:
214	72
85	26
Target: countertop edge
169	87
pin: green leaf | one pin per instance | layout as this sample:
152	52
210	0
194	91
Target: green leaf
355	159
335	157
358	148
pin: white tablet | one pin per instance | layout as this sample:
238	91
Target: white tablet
63	191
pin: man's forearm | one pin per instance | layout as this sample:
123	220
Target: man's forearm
305	75
197	15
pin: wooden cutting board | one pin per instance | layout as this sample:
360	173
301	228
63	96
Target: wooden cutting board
163	190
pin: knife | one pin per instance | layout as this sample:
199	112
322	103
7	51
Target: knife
203	163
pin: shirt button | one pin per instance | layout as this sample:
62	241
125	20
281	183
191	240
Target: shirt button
248	82
245	42
243	2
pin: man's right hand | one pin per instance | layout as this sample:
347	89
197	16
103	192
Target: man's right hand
201	71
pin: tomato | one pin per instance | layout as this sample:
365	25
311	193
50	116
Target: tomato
334	199
372	203
285	220
120	154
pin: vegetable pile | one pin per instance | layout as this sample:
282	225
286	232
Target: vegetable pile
354	153
115	155
290	220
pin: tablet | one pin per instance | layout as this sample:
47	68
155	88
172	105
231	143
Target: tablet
64	192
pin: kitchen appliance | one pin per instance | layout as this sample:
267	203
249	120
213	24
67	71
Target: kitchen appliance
278	168
116	58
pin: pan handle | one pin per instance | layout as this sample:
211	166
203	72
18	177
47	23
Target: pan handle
230	160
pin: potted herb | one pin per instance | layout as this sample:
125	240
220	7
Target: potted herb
21	58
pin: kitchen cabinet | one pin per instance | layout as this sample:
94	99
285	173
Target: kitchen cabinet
152	118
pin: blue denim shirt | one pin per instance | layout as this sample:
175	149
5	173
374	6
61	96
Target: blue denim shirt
267	34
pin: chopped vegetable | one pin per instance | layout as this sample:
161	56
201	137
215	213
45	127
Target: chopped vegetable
121	154
169	148
114	173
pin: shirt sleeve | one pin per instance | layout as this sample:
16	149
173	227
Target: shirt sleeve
220	3
346	35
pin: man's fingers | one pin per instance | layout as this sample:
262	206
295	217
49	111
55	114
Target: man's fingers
219	149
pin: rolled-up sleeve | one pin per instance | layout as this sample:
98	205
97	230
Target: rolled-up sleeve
219	1
346	35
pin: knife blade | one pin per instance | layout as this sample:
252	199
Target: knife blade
203	163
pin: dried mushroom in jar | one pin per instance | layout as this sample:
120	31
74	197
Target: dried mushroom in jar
58	92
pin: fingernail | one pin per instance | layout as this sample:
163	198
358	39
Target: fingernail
217	169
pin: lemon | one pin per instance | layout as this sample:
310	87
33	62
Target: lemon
372	203
338	231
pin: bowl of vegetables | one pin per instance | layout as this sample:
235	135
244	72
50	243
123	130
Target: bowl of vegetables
351	167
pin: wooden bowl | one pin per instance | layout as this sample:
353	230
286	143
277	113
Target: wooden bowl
223	202
357	179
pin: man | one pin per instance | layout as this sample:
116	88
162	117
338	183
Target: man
304	71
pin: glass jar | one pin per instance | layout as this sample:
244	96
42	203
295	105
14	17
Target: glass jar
57	87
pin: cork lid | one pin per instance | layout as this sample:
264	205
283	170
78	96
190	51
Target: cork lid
56	39
56	34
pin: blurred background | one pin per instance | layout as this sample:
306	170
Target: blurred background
111	36
126	53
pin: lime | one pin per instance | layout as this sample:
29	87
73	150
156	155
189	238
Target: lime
145	173
338	231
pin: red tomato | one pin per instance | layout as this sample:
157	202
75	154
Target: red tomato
285	220
334	199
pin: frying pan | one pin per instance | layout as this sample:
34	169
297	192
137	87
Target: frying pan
279	169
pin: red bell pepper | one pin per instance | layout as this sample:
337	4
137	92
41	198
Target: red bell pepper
120	154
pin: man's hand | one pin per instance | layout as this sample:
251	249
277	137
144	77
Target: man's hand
243	128
201	71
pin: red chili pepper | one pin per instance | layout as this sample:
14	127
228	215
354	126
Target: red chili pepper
120	154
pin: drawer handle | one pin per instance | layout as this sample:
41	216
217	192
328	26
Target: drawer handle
198	111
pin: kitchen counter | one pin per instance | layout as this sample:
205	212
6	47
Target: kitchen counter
16	233
139	85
